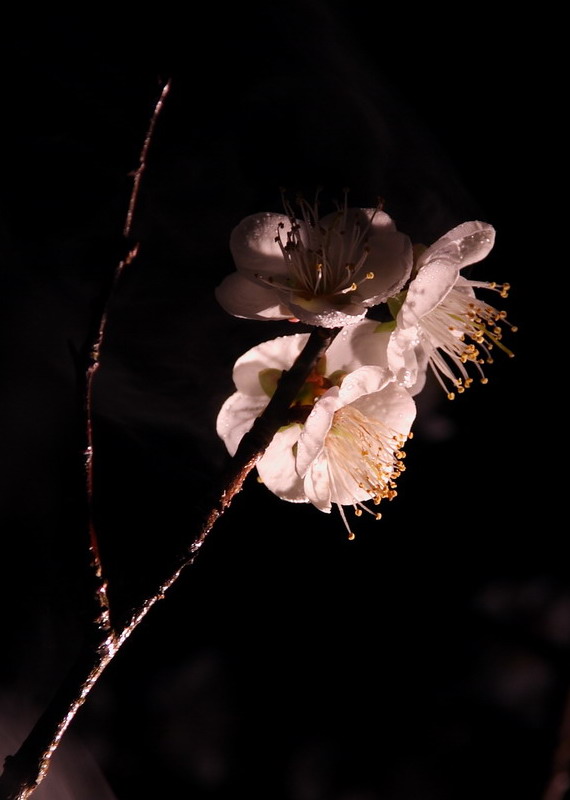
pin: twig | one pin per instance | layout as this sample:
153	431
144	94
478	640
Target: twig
250	450
25	770
102	620
142	159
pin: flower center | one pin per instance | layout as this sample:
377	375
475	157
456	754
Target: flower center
462	330
323	261
316	384
313	388
364	454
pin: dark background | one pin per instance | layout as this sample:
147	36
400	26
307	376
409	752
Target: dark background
427	659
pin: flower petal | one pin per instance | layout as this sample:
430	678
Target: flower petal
363	381
344	488
316	427
439	265
422	358
279	353
358	346
317	484
248	299
407	359
393	406
254	247
236	417
277	466
322	312
463	245
390	258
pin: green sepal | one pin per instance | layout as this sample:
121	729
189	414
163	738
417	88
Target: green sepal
269	378
395	303
284	428
306	395
321	366
337	377
385	327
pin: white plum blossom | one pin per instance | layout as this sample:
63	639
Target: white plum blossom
440	322
324	272
343	441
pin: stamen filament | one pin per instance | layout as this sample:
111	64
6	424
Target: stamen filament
476	329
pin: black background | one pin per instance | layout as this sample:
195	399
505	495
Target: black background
425	660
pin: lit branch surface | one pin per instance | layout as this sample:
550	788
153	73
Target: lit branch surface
24	771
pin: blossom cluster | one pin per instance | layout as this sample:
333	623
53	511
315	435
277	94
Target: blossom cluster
343	442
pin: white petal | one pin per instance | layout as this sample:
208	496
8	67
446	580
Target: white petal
406	359
254	247
316	427
354	220
236	417
277	466
439	265
344	488
421	372
393	406
363	381
465	244
427	290
279	353
320	312
357	346
390	259
317	484
347	227
248	299
380	221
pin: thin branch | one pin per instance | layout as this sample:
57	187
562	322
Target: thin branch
142	160
24	771
102	617
102	620
251	448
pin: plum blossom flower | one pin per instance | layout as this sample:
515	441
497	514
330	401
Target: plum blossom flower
440	322
344	438
325	272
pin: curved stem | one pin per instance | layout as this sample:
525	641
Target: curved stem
143	158
102	617
25	770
